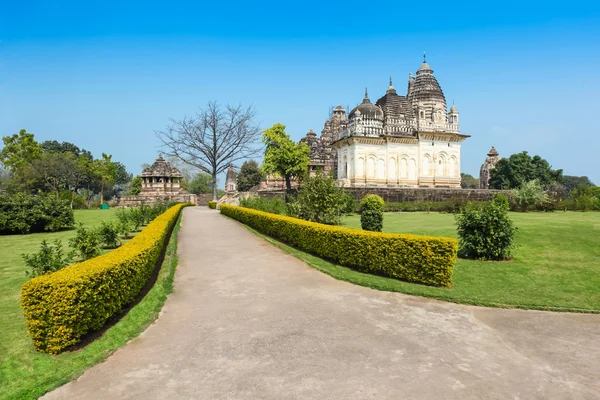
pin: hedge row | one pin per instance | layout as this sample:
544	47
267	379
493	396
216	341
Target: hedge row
61	307
420	259
448	206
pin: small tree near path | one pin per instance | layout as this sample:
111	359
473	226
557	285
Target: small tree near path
283	156
212	140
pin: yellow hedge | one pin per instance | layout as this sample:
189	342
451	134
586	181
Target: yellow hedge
212	204
61	307
420	259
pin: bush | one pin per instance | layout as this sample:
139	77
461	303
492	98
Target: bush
61	307
412	258
47	259
212	204
486	234
109	235
371	213
349	204
137	218
275	205
321	200
86	242
448	206
530	196
23	213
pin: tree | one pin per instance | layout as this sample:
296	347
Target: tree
53	170
213	139
249	176
530	195
321	200
467	181
19	150
106	171
200	184
572	182
136	186
283	156
513	172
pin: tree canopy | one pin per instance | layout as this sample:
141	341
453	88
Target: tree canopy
283	156
201	183
467	181
572	182
249	176
514	171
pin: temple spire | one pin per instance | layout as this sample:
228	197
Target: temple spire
366	99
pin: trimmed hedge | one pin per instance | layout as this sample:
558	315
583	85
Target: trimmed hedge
212	204
61	307
419	259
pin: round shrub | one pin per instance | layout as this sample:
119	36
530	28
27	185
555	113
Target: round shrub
371	216
486	234
212	204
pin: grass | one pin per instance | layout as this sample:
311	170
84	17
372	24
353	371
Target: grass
28	374
556	266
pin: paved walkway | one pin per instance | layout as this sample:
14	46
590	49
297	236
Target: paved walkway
247	321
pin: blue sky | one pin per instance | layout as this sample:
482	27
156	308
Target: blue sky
105	75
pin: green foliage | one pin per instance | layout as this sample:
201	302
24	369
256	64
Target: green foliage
321	200
275	205
486	234
371	213
48	259
529	196
22	213
349	203
138	218
449	206
19	150
86	243
573	182
136	186
61	307
419	259
467	181
109	234
249	176
200	184
513	172
212	204
584	198
283	156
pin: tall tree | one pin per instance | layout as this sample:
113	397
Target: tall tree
136	186
201	183
107	172
249	176
213	139
572	182
514	171
53	170
467	181
19	150
283	156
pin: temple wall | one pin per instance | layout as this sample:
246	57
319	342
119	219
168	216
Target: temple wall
136	201
399	195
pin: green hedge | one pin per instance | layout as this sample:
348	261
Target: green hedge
420	259
212	204
26	213
449	206
61	307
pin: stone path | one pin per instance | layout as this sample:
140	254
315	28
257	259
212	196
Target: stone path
247	321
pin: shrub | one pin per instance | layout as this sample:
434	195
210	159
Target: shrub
275	205
412	258
86	242
371	213
48	259
529	196
61	307
109	234
349	206
321	200
137	218
486	234
23	213
212	204
448	206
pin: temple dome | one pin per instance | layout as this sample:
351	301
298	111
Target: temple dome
161	168
367	109
453	109
425	87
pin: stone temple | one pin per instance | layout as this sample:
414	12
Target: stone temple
161	182
410	140
486	168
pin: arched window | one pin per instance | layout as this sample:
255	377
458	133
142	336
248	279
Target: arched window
360	167
412	169
403	168
371	167
452	167
425	167
392	169
380	169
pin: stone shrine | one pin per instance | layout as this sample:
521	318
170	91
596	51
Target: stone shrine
486	168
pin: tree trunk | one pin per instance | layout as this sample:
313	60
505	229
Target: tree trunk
214	187
101	195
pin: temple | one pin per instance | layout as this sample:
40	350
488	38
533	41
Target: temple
486	168
410	140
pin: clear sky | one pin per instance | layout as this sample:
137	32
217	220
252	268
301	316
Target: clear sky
104	75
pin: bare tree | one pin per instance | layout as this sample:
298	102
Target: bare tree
214	139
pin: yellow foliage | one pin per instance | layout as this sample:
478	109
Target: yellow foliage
61	307
212	204
412	258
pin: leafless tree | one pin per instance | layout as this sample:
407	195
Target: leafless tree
212	140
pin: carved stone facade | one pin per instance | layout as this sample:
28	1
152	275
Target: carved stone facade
407	140
231	180
486	168
160	183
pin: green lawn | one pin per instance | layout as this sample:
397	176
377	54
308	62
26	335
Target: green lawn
25	373
556	266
